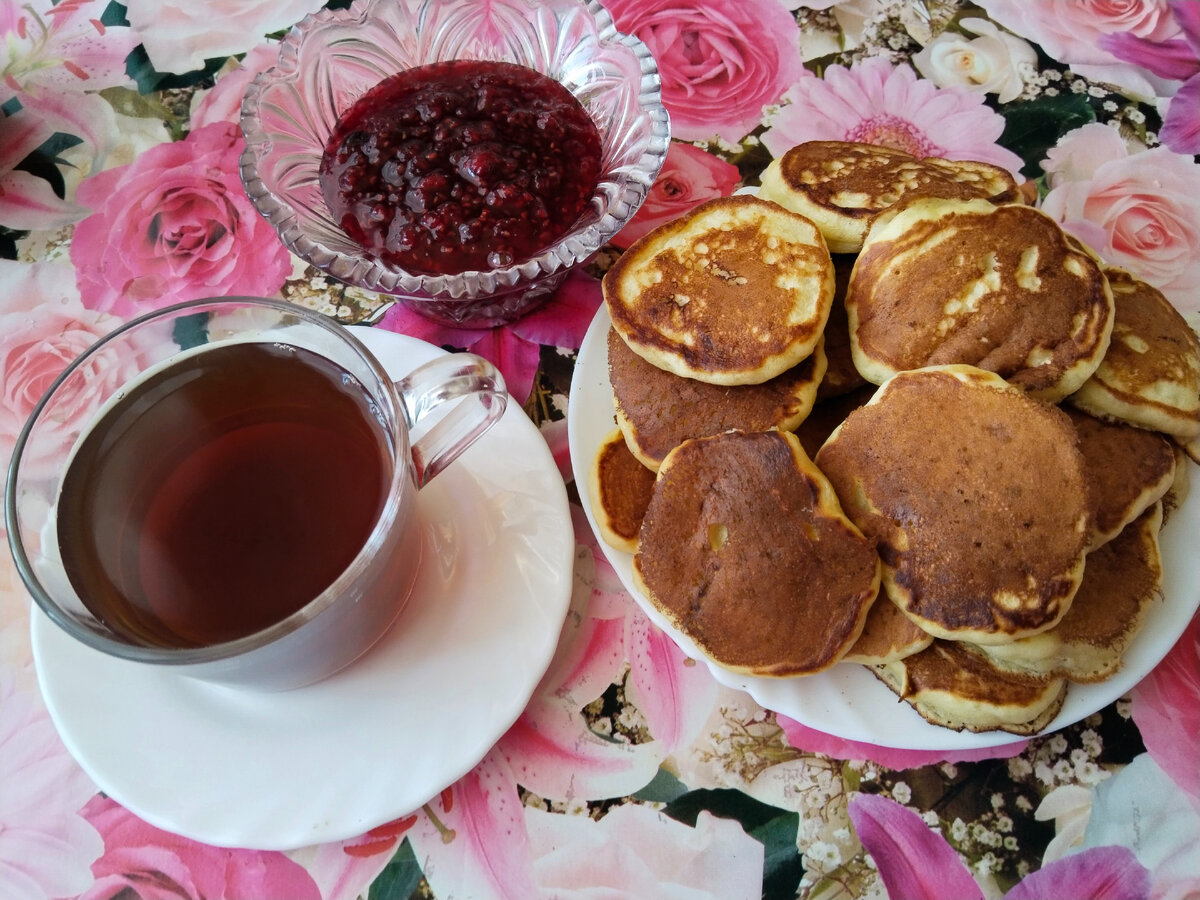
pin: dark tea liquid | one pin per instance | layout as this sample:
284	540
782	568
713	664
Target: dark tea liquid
222	494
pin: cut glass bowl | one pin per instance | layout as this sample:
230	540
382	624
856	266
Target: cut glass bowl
331	58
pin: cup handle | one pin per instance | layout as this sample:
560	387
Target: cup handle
471	380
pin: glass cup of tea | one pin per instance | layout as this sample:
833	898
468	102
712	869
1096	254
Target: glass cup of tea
227	487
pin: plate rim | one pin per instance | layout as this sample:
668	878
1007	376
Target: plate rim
591	375
304	825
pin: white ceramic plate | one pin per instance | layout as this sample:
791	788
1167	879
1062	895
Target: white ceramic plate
847	700
375	741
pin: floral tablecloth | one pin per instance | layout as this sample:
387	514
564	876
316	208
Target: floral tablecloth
632	773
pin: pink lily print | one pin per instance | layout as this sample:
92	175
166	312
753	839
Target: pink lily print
802	737
916	863
1166	708
28	203
55	59
481	841
551	749
515	348
469	842
63	48
472	840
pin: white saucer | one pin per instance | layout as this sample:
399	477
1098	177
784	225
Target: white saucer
848	701
380	738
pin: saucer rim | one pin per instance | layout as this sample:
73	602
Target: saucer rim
299	817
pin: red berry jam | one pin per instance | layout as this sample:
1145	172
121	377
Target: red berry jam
461	166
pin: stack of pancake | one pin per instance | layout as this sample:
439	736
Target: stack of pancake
943	451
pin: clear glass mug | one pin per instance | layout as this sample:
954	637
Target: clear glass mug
456	398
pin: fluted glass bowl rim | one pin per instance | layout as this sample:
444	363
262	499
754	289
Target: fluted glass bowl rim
365	271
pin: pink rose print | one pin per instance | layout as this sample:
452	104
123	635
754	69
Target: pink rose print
1177	59
223	103
1071	33
689	176
175	225
43	327
15	648
720	62
1137	210
144	862
1079	153
179	35
880	103
46	847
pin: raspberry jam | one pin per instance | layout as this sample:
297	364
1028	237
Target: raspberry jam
459	166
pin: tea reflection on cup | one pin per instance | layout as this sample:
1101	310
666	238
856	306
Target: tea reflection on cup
240	507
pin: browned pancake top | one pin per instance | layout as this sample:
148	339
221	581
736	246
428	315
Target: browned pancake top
947	666
739	551
1151	340
972	490
826	415
625	486
722	341
1122	464
859	180
888	632
666	409
1002	288
1120	579
728	288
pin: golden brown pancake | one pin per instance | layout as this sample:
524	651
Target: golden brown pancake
736	291
827	415
841	375
843	185
1003	288
745	550
953	687
1121	585
658	410
887	636
1128	469
1150	375
1190	448
976	495
620	488
1177	493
